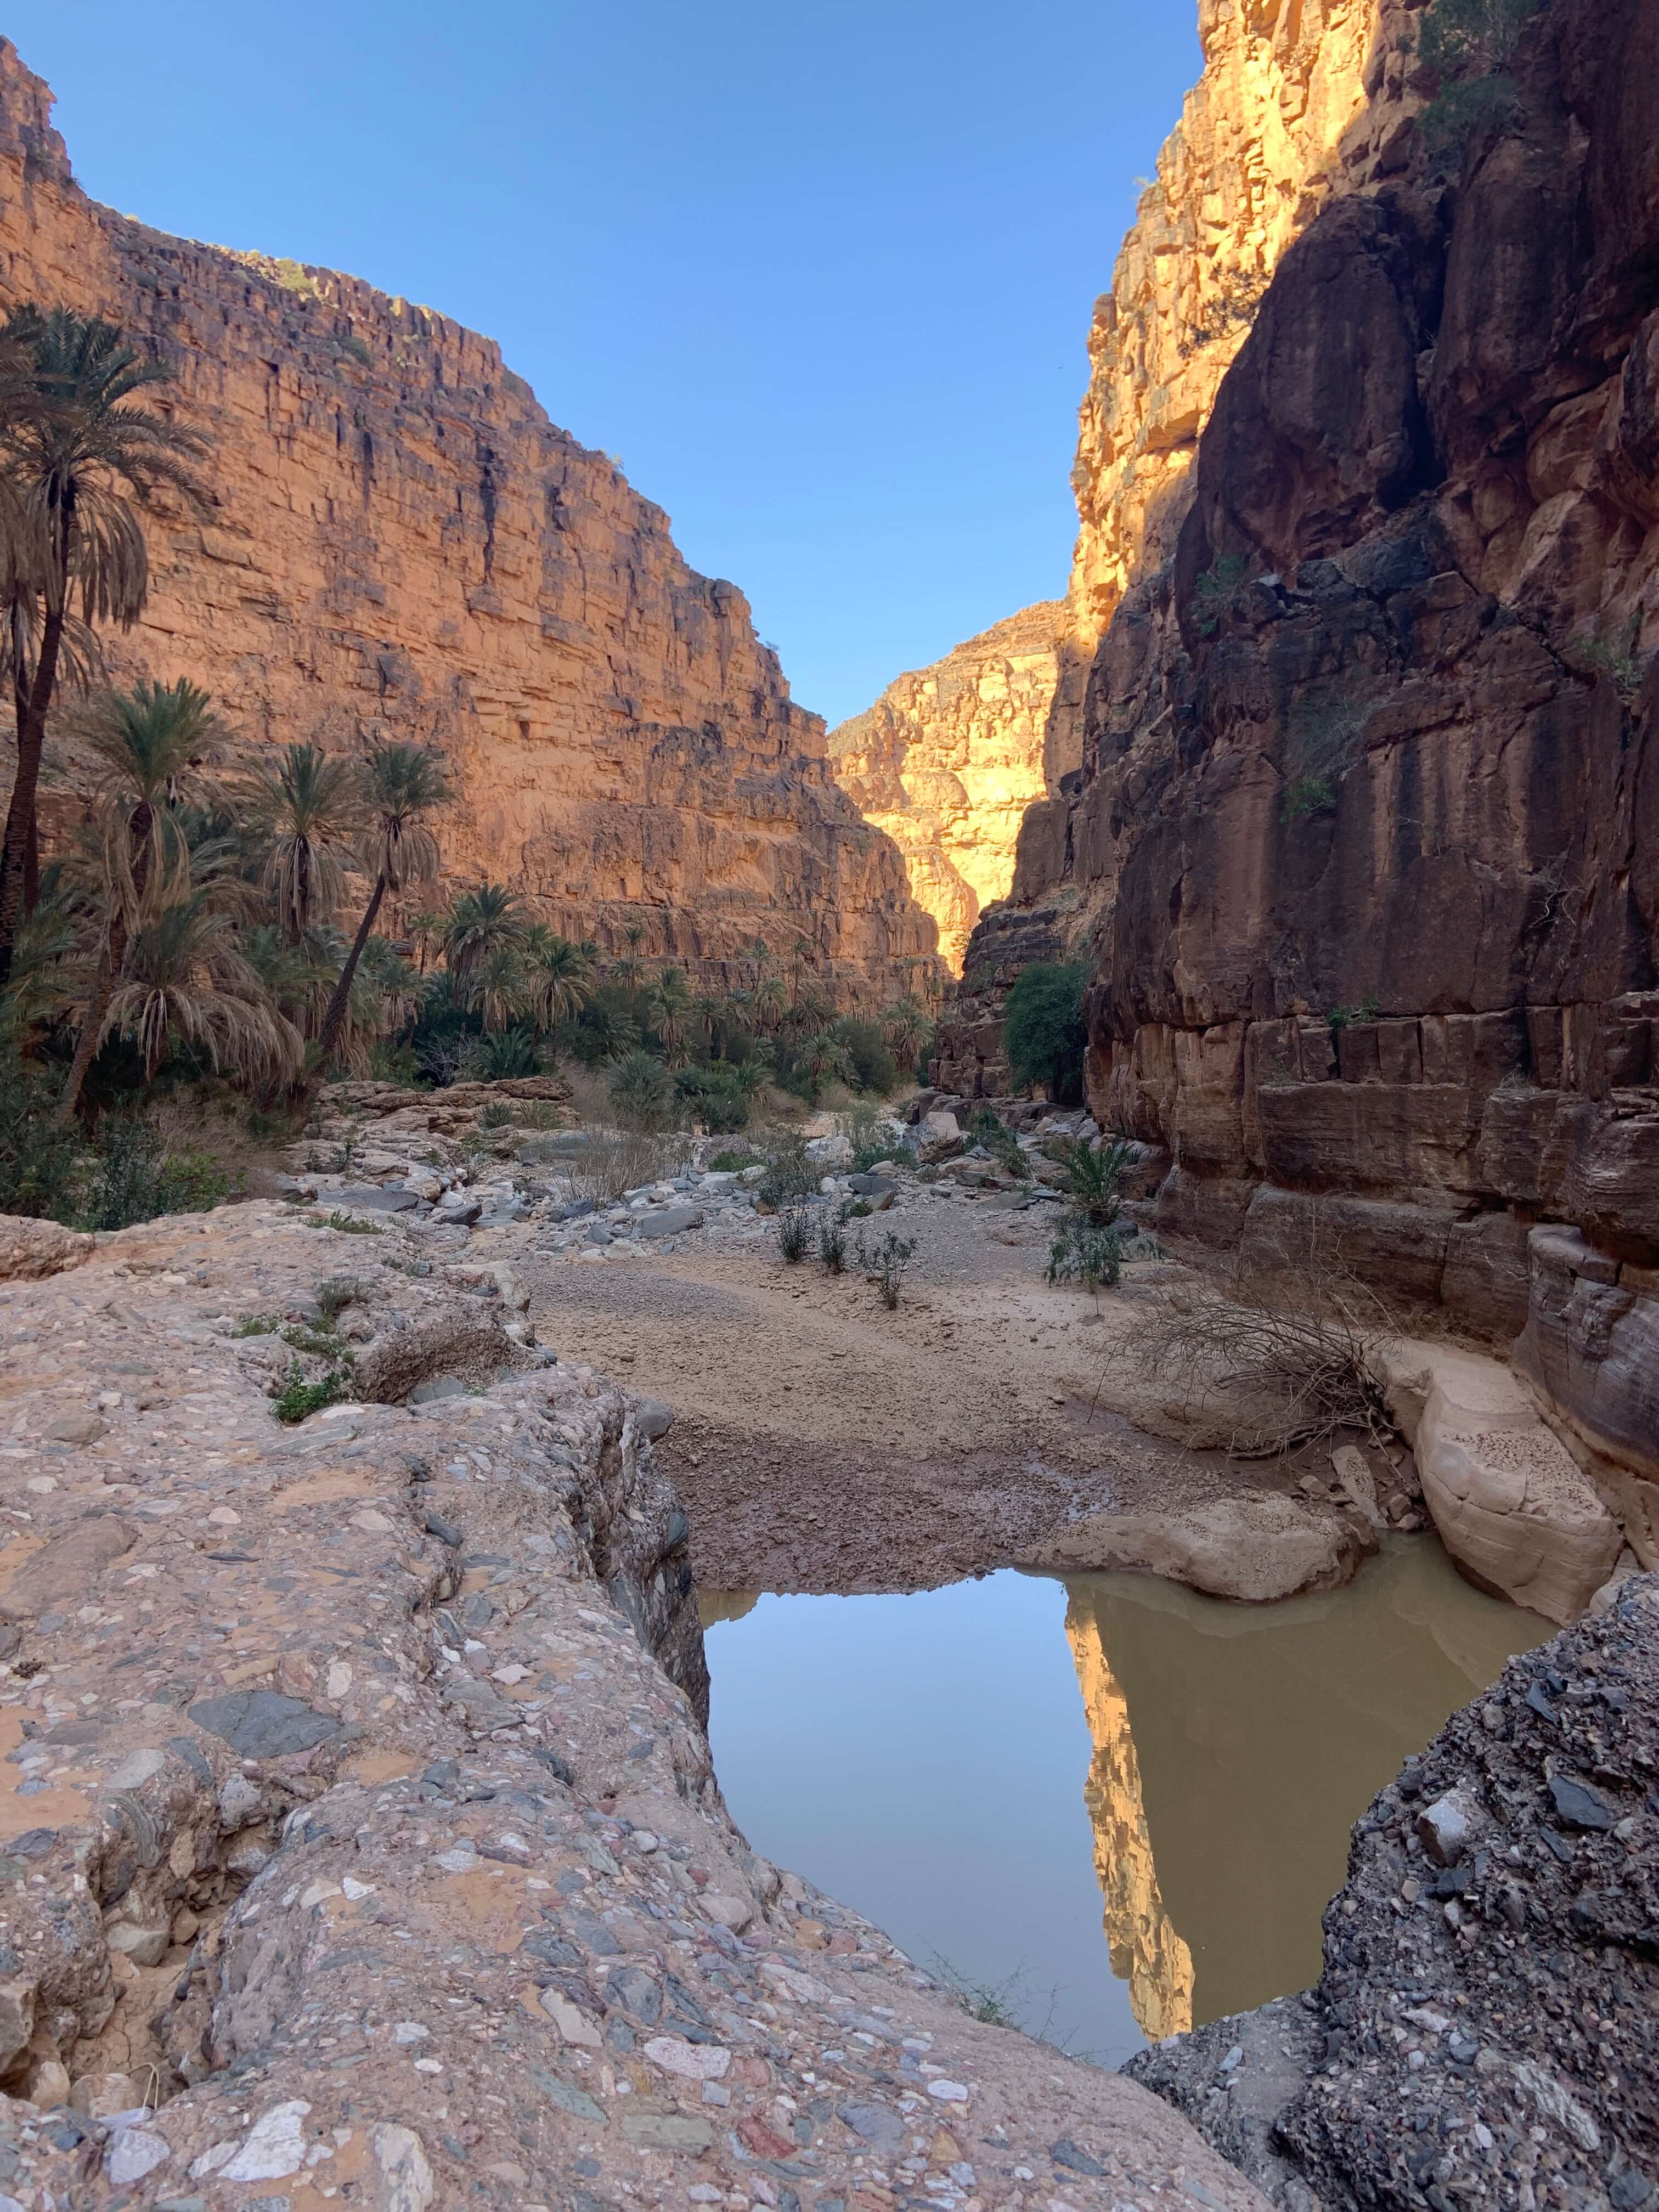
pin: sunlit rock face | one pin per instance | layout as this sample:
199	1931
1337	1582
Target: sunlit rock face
1252	160
949	758
1146	1950
402	545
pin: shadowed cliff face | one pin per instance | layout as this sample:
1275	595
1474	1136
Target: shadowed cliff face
1366	827
404	546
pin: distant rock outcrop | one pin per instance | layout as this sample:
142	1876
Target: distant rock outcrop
404	546
949	758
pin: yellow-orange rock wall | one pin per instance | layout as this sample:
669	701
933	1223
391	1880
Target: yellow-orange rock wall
403	546
949	758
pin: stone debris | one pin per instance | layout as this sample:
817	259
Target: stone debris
1483	2032
358	1838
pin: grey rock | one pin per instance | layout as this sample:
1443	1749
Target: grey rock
876	2125
870	1186
77	1429
670	1220
445	1531
573	1209
652	1418
457	1212
378	1198
263	1724
598	1233
436	1387
1578	1805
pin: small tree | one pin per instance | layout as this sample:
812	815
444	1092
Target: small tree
401	786
1044	1034
642	1091
558	976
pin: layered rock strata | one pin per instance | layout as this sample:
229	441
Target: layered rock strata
949	758
358	1838
401	545
1362	845
1482	2030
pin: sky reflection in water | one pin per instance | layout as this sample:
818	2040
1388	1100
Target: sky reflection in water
1135	1800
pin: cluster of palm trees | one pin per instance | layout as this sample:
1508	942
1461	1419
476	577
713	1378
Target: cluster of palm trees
235	920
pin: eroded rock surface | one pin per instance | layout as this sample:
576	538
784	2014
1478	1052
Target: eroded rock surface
1253	1549
1483	2030
355	1799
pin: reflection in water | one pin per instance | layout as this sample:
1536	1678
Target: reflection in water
1259	1736
921	1757
1145	1949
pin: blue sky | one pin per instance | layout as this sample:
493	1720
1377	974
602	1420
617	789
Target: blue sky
819	272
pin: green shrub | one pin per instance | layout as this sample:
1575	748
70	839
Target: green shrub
503	1054
347	1225
1469	43
297	1398
874	1067
38	1161
998	1138
254	1325
832	1245
789	1173
1213	590
1085	1253
137	1178
642	1091
495	1113
794	1233
885	1266
734	1162
1091	1178
711	1093
1042	1033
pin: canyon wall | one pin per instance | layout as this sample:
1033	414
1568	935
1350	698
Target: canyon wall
1363	846
944	755
402	545
949	758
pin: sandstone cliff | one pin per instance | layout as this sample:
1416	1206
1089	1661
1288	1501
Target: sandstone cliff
1364	834
945	755
949	758
403	546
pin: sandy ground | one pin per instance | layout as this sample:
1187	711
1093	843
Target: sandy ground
821	1442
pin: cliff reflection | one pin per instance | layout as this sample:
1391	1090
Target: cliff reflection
1235	1747
1145	1951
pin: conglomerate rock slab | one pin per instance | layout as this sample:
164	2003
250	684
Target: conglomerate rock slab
358	1838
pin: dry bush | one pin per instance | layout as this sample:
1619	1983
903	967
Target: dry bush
1260	1361
607	1166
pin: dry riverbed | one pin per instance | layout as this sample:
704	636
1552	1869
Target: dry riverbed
822	1443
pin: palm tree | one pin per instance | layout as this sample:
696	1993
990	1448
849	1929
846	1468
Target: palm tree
495	988
771	1003
395	981
558	976
426	927
306	809
707	1010
157	746
482	922
188	981
82	461
669	1005
824	1059
401	784
905	1028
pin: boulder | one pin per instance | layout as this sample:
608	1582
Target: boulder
669	1221
1254	1548
1512	1508
939	1137
30	1250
